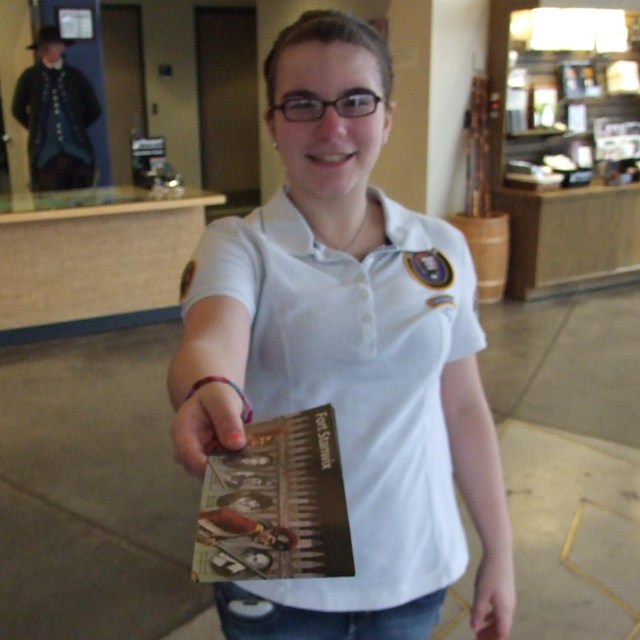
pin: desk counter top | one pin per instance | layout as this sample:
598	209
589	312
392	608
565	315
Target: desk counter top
84	203
596	189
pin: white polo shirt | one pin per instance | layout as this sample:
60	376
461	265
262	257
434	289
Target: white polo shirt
371	338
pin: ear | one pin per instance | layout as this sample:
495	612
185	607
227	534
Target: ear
388	121
271	125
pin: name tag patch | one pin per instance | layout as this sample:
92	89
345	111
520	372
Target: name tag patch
440	301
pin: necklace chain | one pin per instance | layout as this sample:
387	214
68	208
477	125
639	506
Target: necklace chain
354	237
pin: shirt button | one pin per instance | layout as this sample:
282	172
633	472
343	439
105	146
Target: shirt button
367	318
360	278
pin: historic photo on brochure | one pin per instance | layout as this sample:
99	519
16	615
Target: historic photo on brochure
277	508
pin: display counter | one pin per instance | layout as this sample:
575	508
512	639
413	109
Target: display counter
571	240
73	256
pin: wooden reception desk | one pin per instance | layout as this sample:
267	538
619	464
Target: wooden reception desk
96	253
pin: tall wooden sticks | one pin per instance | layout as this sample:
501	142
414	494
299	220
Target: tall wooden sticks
478	193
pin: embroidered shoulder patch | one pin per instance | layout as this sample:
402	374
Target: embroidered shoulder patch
430	268
187	279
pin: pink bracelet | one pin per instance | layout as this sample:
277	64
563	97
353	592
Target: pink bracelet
247	411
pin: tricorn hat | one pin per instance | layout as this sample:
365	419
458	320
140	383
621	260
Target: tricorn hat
47	35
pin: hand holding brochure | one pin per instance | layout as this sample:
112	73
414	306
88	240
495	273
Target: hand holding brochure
277	508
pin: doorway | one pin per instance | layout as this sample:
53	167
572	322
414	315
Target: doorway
5	183
226	54
124	84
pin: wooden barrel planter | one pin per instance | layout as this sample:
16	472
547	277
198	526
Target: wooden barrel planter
488	240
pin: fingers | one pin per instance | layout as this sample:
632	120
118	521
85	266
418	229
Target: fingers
225	422
198	429
495	597
232	437
190	454
491	632
189	441
491	623
481	617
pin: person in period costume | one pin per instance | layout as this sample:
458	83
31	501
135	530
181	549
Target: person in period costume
56	102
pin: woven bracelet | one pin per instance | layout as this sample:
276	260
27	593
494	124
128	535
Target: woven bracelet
247	411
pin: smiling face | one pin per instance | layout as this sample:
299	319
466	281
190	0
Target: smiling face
330	158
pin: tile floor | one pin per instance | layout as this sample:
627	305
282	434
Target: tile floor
96	520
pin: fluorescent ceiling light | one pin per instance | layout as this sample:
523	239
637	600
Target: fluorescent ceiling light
551	29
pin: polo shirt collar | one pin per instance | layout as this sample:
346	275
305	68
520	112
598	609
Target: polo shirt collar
287	227
400	225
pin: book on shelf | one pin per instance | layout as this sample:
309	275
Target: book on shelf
517	109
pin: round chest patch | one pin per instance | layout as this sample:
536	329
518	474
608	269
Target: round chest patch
187	278
429	268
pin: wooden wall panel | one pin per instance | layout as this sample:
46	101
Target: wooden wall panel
68	269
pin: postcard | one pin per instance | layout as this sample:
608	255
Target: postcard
276	509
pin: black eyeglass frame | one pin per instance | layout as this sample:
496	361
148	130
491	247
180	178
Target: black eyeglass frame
329	103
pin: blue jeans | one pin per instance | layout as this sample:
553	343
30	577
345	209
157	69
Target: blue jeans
247	617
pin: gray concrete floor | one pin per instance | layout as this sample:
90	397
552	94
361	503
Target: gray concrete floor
96	521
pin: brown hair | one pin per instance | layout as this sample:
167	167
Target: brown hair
329	26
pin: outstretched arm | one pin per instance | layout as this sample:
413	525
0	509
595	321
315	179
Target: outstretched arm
478	473
215	343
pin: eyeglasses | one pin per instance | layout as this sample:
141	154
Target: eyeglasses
306	109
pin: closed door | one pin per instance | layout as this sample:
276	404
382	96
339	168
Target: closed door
124	84
228	101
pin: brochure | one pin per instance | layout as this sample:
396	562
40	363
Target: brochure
277	508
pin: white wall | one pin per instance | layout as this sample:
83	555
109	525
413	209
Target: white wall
458	49
402	168
15	35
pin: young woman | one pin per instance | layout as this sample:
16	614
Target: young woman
332	292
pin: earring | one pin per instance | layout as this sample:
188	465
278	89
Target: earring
274	144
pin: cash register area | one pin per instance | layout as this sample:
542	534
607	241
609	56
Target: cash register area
98	523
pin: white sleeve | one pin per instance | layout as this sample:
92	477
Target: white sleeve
226	262
468	336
